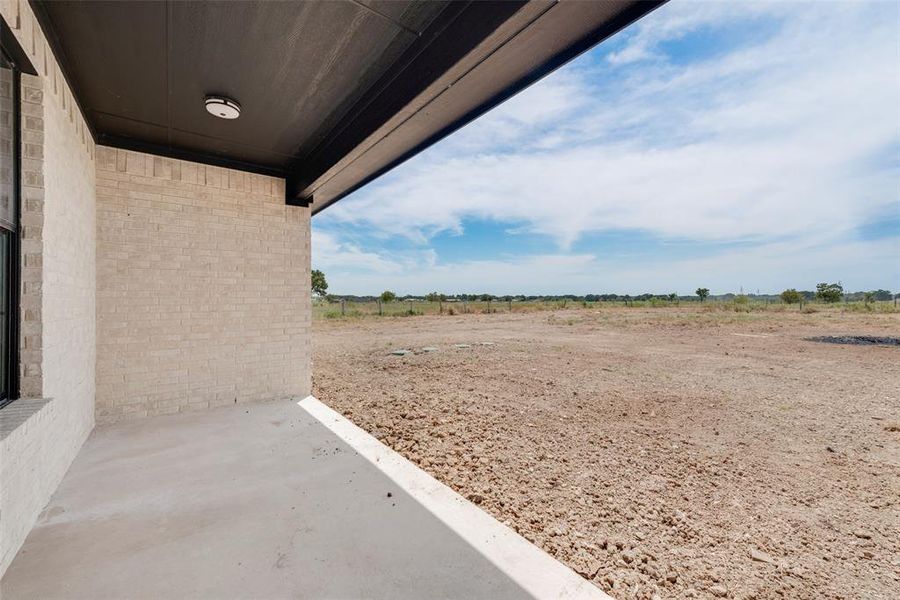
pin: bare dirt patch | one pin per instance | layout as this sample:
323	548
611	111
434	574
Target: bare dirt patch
667	452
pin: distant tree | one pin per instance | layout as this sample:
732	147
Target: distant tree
433	297
486	297
319	285
673	297
702	293
829	292
882	295
790	296
868	297
388	296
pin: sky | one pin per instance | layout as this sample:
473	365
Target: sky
727	145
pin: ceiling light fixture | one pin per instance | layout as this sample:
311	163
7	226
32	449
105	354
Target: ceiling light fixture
222	107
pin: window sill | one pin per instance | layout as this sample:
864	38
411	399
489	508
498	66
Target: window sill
17	413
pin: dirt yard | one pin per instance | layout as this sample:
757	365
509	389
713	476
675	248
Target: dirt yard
666	453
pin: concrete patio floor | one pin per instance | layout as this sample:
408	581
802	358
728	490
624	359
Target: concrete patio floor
281	499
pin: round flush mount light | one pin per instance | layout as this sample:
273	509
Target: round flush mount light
222	107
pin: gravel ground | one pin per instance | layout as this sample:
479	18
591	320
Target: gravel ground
673	453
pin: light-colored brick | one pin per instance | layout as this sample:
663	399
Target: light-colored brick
202	287
149	286
58	291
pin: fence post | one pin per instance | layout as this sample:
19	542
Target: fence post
510	305
342	307
440	307
380	313
465	307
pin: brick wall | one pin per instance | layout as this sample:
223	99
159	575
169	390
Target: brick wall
69	271
202	287
43	431
31	239
148	284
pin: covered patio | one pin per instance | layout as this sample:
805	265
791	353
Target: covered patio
161	164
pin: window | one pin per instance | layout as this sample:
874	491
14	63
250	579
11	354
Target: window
9	229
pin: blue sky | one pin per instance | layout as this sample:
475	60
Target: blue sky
722	145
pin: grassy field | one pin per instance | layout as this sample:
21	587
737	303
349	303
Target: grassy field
407	308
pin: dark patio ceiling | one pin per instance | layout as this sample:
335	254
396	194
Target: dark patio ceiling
333	93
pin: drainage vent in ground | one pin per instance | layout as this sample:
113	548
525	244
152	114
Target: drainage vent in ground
858	340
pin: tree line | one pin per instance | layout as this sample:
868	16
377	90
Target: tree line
824	292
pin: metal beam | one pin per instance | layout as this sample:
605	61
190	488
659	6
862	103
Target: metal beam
454	33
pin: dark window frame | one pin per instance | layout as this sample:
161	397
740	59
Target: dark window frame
13	266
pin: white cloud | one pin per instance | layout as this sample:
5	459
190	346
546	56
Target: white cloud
777	139
544	106
329	253
348	261
645	37
769	268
